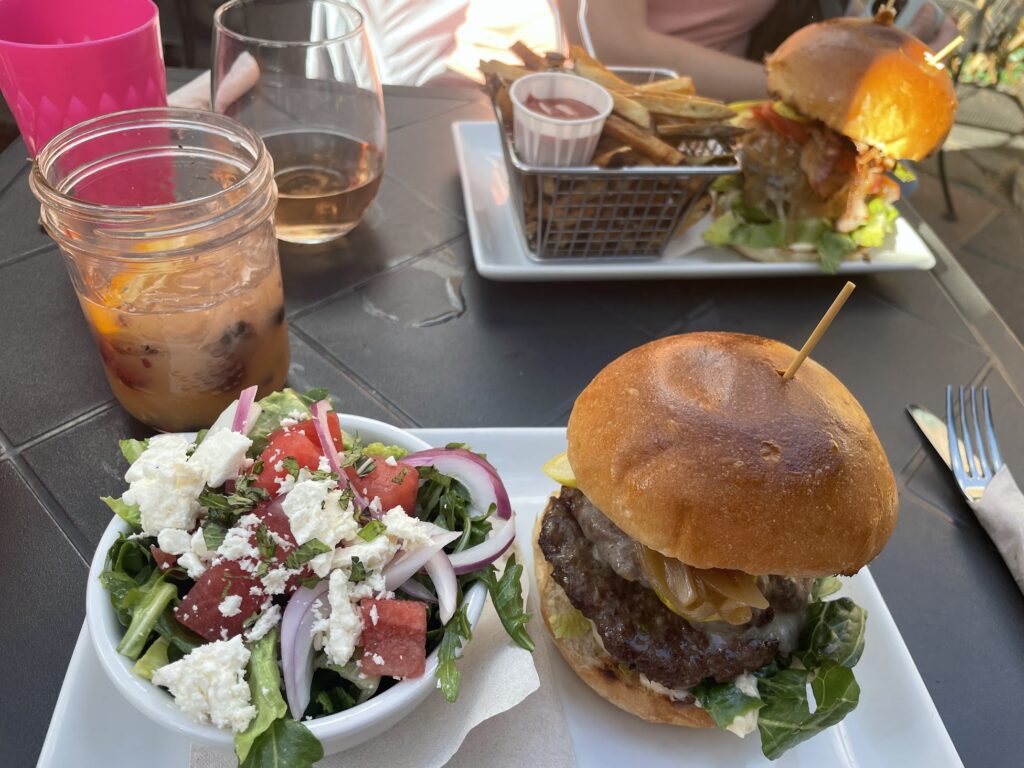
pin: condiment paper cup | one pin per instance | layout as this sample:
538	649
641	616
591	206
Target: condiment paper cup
503	715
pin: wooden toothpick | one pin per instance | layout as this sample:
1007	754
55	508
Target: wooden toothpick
947	49
819	331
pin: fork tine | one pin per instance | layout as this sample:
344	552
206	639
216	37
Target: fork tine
993	446
954	443
972	467
986	471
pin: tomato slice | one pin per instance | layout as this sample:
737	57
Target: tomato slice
284	443
396	486
333	425
798	132
394	637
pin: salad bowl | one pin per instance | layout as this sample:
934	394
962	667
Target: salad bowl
336	732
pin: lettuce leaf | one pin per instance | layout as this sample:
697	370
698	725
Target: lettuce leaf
785	720
569	624
132	449
720	231
833	631
285	744
280	405
154	658
881	216
265	687
383	451
725	702
833	247
130	513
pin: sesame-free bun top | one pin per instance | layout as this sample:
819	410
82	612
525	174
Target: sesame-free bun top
869	81
695	446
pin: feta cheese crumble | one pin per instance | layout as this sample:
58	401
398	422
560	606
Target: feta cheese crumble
236	544
174	541
230	606
345	624
275	580
164	485
411	531
266	622
209	684
220	456
314	511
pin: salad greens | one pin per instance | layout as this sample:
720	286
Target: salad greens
281	405
752	227
285	744
265	689
456	633
507	599
831	643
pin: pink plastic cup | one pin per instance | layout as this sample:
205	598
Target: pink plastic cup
64	61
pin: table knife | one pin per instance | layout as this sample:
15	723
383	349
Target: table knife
933	428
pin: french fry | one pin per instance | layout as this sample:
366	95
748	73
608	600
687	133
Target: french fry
682	85
630	110
699	129
682	105
509	72
498	90
587	66
645	143
530	59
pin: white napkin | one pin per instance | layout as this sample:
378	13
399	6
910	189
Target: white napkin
1001	512
497	676
195	94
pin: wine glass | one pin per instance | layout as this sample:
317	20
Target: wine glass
302	74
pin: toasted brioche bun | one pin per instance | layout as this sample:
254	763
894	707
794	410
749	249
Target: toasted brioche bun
588	659
778	255
696	447
868	81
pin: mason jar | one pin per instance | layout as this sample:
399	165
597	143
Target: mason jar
164	217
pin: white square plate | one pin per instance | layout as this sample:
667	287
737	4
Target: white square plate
501	252
896	723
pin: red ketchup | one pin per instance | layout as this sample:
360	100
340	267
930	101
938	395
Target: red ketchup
560	109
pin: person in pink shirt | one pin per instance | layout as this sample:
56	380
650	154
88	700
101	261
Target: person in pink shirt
709	39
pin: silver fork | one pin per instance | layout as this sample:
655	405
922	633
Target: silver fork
968	456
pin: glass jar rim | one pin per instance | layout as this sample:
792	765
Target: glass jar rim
104	125
343	7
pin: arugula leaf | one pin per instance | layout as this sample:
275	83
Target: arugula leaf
569	624
371	530
785	719
383	451
825	586
265	688
456	633
277	406
154	658
128	512
725	702
132	449
145	615
285	744
302	554
833	631
507	598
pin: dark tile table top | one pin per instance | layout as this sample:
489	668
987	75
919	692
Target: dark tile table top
397	323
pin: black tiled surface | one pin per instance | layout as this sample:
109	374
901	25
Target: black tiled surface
397	323
397	227
525	348
962	617
42	604
50	371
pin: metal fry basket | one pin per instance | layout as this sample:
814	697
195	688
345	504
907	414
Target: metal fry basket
609	213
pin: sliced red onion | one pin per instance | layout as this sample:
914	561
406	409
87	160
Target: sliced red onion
486	552
416	590
297	646
477	475
245	403
403	566
323	432
440	571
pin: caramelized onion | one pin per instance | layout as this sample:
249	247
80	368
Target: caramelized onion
715	594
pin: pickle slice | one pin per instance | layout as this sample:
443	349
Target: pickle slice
558	469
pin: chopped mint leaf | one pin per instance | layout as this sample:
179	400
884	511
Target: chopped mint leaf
291	466
358	571
213	535
372	530
265	542
304	553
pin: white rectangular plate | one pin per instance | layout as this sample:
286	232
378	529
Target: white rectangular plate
895	724
501	252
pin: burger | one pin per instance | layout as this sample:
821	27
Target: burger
705	509
850	98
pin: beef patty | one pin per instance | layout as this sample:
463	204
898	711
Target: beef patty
638	630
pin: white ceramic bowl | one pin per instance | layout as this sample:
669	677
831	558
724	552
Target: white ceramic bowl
335	732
